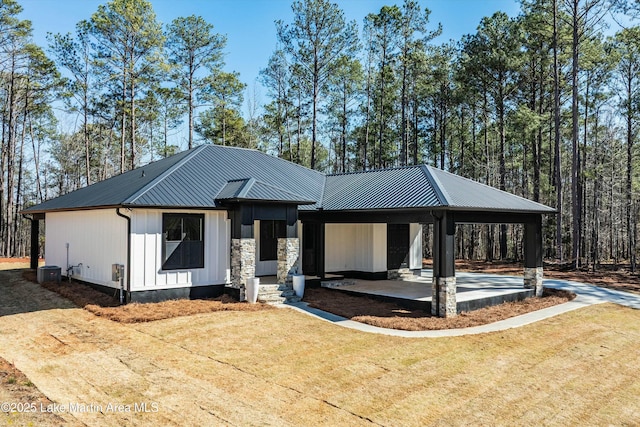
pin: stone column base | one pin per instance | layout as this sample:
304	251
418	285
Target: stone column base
443	297
533	279
288	256
243	263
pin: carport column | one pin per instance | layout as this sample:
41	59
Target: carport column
533	270
443	287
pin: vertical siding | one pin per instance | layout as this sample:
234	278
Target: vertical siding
415	248
96	238
357	247
146	249
379	254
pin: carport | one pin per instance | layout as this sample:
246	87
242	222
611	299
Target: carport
426	195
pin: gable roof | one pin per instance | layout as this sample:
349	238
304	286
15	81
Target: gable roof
209	176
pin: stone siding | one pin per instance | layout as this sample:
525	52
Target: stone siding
288	258
243	263
533	279
445	289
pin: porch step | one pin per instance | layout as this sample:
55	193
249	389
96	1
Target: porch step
403	274
277	294
337	283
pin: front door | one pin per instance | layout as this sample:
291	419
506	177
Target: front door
397	246
310	247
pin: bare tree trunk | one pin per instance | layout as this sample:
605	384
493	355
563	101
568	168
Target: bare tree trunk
556	119
133	125
123	137
595	210
629	188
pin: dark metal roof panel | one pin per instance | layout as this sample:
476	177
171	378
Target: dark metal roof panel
250	189
464	193
192	178
112	191
232	189
405	187
197	177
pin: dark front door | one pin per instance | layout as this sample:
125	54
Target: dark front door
397	246
309	248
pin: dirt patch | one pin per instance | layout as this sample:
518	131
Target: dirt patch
106	306
390	315
22	402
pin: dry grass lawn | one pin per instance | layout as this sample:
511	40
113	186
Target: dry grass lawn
16	389
281	367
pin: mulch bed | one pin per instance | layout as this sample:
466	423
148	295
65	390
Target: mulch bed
390	315
358	308
106	306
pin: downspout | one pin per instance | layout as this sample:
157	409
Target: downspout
127	266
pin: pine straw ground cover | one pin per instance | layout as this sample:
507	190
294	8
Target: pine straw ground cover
390	315
106	306
358	308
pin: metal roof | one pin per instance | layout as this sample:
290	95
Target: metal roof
463	193
380	189
194	179
251	189
419	186
210	175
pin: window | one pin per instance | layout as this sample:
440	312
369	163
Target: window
270	231
182	241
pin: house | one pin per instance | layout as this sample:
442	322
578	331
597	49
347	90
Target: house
211	217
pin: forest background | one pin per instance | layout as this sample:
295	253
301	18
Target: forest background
545	105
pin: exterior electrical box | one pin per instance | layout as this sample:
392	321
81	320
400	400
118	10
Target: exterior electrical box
117	272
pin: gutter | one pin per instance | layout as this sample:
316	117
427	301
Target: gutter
128	278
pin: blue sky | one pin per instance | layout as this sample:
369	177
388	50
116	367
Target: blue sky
249	24
250	28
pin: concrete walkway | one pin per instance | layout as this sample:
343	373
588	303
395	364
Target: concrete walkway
585	295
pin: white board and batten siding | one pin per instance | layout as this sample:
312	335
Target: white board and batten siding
98	238
363	247
415	246
356	247
146	250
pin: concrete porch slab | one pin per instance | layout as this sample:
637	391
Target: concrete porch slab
473	290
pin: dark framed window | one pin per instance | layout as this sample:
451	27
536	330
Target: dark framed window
270	231
182	241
